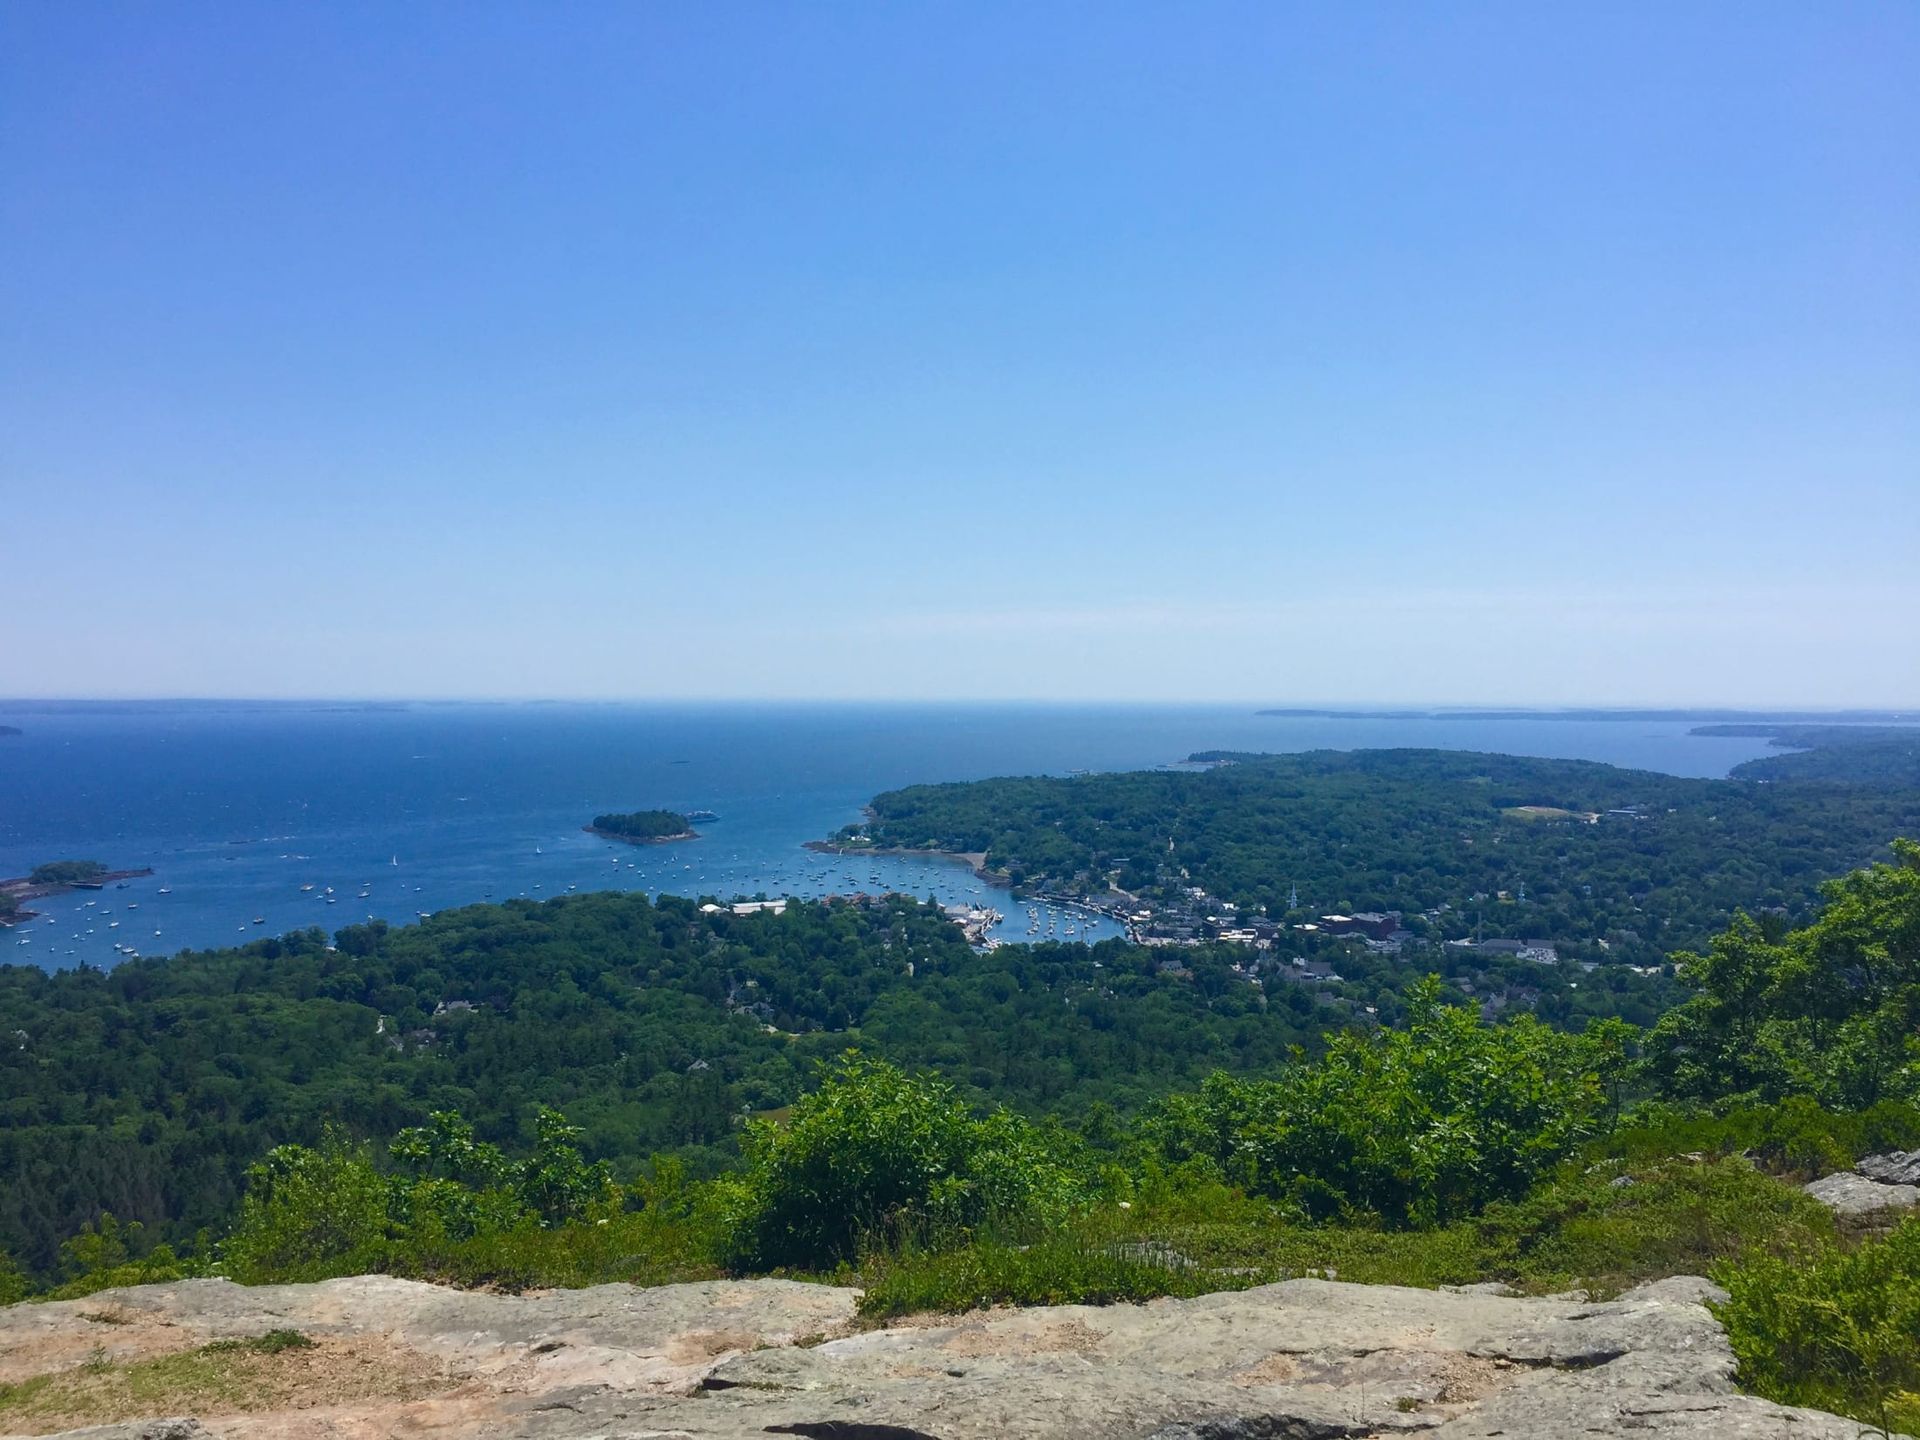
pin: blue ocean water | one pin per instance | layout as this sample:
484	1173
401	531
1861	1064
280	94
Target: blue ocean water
408	809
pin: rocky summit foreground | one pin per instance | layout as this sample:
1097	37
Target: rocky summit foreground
1302	1359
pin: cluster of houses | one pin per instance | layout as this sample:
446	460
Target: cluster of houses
1540	952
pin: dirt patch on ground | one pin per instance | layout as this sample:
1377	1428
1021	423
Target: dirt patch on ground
1466	1379
1277	1369
1068	1335
116	1335
231	1379
698	1345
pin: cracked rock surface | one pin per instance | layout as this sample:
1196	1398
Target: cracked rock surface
1301	1359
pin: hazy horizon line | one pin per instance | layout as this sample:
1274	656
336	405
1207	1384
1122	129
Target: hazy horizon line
1315	705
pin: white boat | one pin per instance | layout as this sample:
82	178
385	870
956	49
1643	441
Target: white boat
166	890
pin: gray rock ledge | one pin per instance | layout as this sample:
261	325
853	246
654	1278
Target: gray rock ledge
1847	1193
1304	1359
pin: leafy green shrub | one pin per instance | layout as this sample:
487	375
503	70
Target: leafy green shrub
13	1280
1797	1136
1078	1268
107	1254
1610	1229
1829	1011
310	1214
454	1187
1832	1329
877	1152
1418	1126
457	1208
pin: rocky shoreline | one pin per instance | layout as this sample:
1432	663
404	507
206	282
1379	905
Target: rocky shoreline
974	860
641	839
23	888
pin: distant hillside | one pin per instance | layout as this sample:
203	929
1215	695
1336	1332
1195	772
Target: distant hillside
1887	755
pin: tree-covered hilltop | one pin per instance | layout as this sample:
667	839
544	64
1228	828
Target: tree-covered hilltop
643	825
1561	850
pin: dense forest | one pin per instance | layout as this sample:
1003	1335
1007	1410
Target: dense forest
1448	1148
148	1088
642	825
1569	851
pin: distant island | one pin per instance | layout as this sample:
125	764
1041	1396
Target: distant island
9	730
53	878
644	827
1805	717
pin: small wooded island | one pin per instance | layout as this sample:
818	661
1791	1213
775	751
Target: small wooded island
643	827
53	878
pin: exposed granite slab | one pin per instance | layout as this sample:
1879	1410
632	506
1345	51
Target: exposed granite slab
727	1359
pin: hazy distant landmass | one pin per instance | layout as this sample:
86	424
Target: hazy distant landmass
9	729
191	705
1775	717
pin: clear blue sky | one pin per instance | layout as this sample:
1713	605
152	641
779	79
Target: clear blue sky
1426	352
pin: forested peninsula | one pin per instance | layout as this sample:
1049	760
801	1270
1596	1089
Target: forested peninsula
1606	865
53	878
